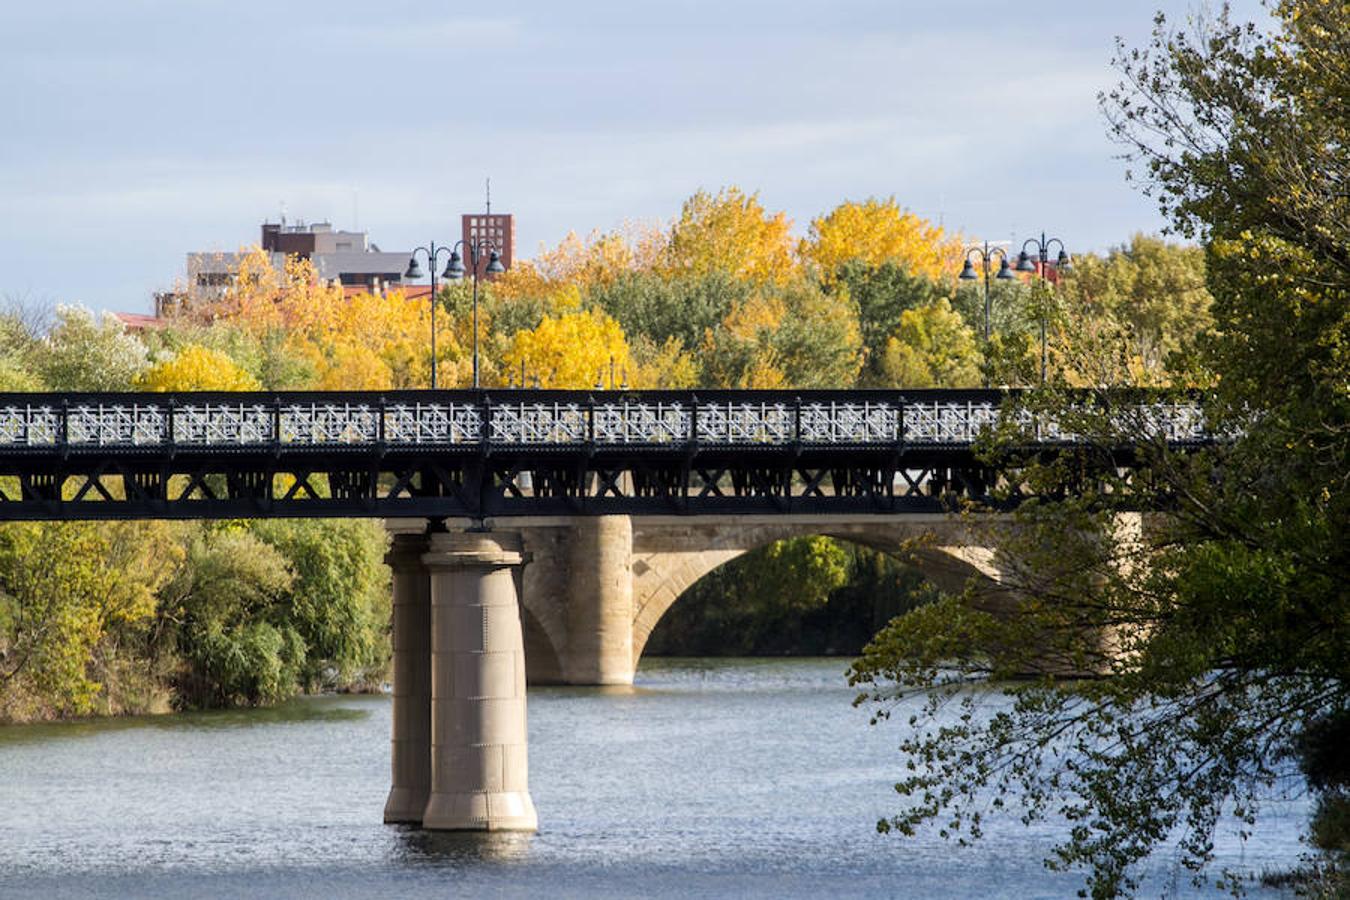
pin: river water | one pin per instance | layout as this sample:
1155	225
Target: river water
745	778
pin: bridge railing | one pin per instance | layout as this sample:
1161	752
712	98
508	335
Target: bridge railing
542	420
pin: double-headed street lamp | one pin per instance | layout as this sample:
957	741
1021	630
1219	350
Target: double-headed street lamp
454	271
1024	264
986	256
432	251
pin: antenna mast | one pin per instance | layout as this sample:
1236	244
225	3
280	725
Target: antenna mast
488	210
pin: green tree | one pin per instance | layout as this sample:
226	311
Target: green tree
68	592
1010	306
661	308
757	603
82	354
223	626
339	602
1222	633
796	336
1149	294
881	294
932	347
263	609
814	596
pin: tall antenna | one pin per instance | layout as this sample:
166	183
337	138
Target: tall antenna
488	210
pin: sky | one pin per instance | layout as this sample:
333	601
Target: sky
137	131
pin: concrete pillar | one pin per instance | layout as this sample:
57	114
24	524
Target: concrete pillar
410	745
479	772
600	602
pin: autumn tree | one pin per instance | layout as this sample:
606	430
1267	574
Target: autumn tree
731	232
879	232
196	368
667	366
573	350
584	263
796	336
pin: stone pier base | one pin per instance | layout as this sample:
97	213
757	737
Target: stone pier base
600	602
479	769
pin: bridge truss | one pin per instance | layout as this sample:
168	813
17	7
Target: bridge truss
519	452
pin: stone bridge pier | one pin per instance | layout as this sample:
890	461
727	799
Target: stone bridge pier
458	747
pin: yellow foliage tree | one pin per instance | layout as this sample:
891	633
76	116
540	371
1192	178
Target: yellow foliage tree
731	232
252	296
262	300
197	368
66	586
876	232
347	365
668	366
572	350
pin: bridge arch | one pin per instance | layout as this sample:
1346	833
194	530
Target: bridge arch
668	558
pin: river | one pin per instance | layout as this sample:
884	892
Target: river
745	778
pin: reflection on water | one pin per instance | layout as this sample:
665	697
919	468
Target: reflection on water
455	849
708	778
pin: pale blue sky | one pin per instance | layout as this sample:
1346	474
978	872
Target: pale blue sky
138	130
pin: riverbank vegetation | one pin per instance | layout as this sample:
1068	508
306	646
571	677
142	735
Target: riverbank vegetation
1217	637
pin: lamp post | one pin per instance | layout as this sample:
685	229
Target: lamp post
431	251
986	255
1024	264
454	270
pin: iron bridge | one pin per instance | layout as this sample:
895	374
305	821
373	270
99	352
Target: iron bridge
520	452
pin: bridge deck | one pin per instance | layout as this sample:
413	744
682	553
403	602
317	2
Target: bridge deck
513	452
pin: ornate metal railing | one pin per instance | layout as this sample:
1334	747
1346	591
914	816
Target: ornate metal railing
548	420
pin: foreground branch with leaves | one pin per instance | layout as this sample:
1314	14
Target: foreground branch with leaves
1218	636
